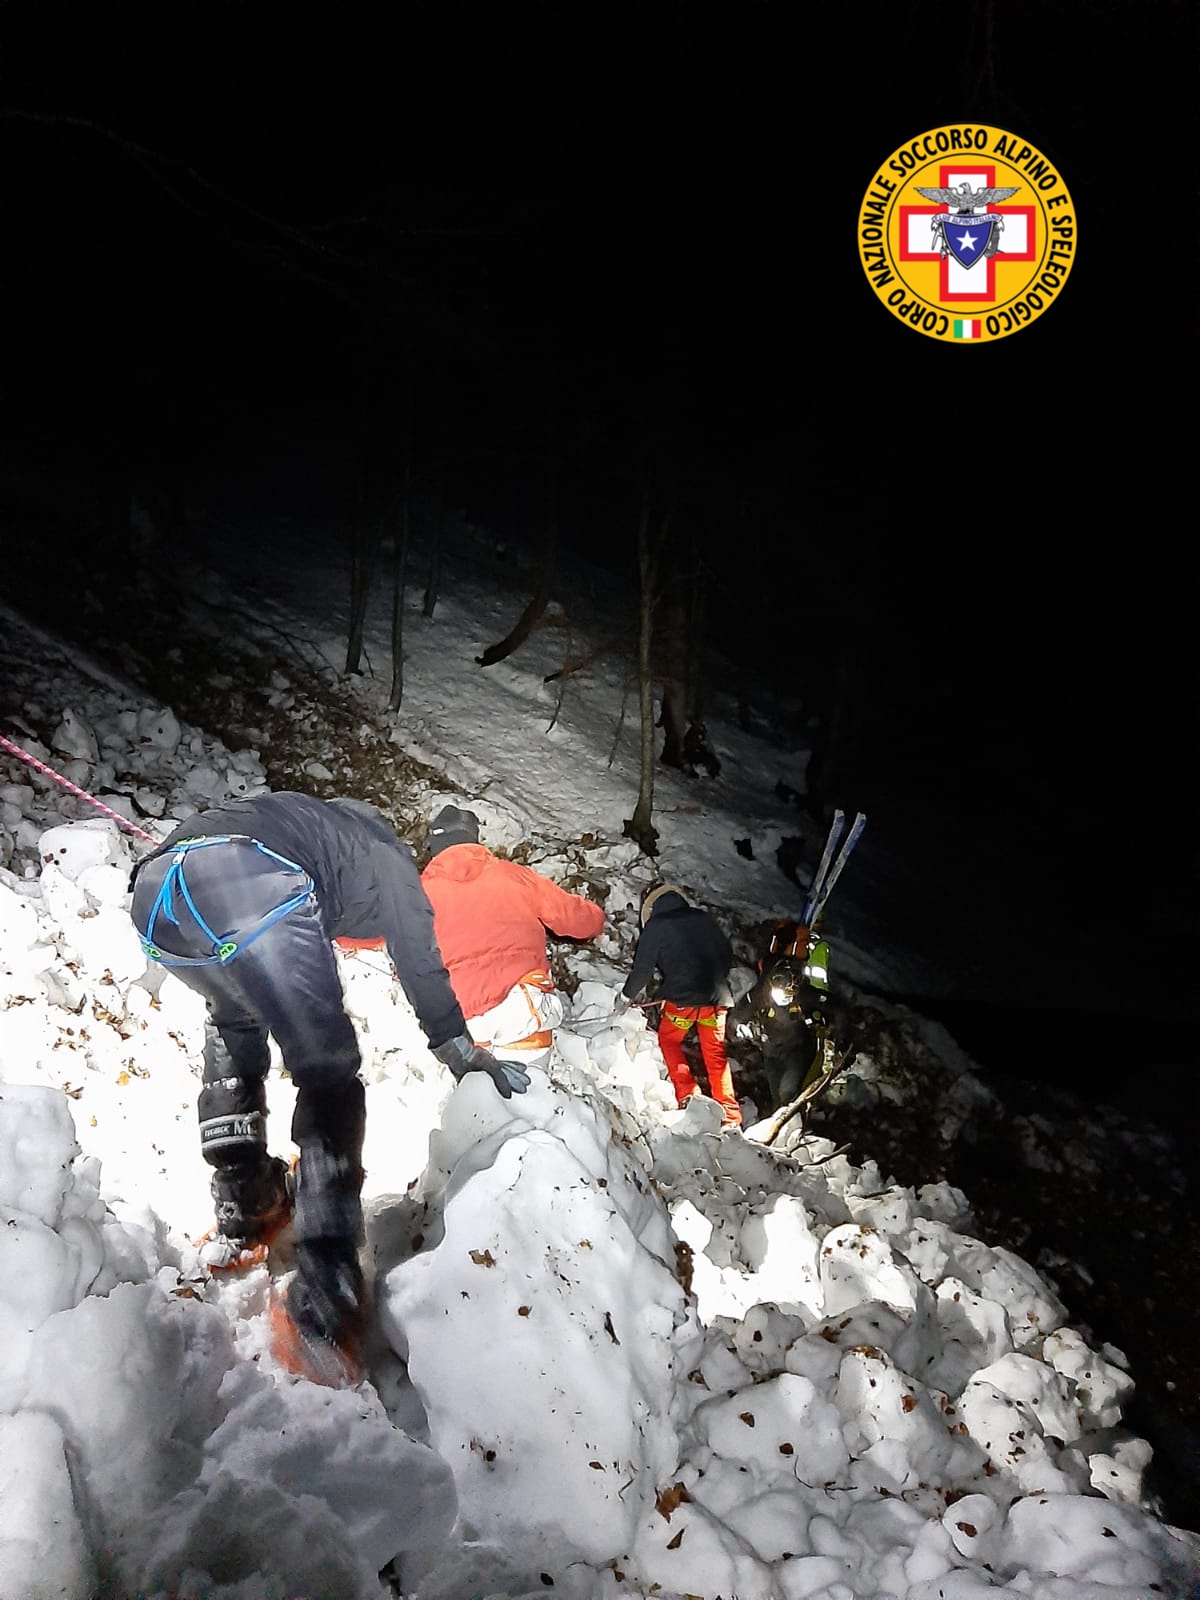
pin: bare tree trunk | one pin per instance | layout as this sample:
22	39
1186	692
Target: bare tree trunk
435	556
639	827
694	669
401	564
540	599
670	638
364	553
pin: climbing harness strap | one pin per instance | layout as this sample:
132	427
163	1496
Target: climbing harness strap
224	946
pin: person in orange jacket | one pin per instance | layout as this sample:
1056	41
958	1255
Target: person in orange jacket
490	920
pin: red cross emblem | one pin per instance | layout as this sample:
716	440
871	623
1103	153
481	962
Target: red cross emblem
1009	232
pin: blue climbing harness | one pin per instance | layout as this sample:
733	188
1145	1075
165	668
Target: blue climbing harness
224	947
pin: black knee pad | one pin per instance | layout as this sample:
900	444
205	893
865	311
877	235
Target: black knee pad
336	1118
328	1126
233	1122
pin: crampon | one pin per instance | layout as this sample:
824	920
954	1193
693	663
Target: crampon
308	1355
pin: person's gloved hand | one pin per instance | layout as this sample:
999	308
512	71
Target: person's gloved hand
463	1055
622	1005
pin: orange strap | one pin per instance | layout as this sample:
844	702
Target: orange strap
531	1041
541	1038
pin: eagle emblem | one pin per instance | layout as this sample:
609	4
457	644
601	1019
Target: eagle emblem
961	231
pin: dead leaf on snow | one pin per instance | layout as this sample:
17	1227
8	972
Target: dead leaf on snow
483	1258
668	1500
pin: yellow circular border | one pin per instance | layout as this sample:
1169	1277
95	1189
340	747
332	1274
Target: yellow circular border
910	286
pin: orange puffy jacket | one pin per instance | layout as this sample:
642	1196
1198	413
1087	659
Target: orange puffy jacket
490	919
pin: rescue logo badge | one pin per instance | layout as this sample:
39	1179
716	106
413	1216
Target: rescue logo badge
967	233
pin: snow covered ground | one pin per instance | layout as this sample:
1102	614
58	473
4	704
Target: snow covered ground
618	1351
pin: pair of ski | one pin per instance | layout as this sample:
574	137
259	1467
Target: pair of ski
833	860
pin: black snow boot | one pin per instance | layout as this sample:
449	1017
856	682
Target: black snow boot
253	1200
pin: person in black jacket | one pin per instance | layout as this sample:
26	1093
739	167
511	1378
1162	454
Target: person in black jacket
241	903
693	957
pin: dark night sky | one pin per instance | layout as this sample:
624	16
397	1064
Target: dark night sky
627	233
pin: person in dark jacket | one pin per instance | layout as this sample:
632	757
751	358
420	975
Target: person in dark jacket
241	903
693	957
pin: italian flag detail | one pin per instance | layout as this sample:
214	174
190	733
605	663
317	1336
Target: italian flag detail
966	330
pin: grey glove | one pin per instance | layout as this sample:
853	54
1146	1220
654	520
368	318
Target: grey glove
621	1005
462	1055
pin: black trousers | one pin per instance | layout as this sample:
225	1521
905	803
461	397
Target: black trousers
786	1069
283	982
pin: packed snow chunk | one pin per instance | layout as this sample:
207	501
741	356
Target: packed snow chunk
149	801
23	950
695	1554
102	936
974	1334
779	1246
1037	1388
772	1523
74	738
881	1407
43	1552
1100	1387
1122	1475
237	1539
858	1264
889	1212
781	1429
763	1337
887	1529
545	1332
1034	1310
972	1523
1080	1537
36	1284
132	1379
37	1151
343	1491
159	728
1011	1436
75	846
944	1203
204	784
963	1585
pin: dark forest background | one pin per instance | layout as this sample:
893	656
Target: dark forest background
603	258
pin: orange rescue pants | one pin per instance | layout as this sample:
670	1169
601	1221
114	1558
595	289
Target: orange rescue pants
674	1026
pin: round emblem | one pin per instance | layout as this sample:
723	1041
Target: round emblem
967	233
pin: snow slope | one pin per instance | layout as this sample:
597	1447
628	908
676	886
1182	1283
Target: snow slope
619	1351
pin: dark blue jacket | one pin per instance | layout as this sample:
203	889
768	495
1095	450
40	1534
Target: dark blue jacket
687	947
